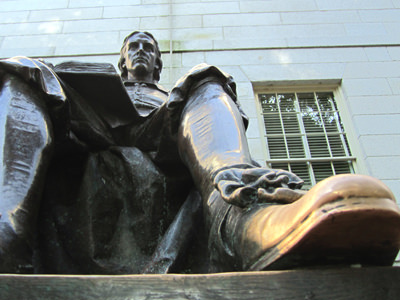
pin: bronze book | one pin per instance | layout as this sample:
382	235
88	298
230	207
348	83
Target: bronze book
102	87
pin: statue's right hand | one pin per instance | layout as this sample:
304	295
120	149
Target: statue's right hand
244	187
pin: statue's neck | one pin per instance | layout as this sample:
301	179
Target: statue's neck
148	78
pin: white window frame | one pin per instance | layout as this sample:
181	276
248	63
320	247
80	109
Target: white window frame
281	88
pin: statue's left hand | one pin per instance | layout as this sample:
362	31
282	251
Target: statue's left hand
245	186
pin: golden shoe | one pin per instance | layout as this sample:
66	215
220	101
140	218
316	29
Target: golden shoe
352	219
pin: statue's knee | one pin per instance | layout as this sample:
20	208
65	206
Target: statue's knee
26	147
24	120
210	93
23	110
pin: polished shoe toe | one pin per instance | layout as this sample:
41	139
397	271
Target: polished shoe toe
345	219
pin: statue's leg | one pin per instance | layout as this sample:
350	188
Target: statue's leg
258	219
25	143
211	135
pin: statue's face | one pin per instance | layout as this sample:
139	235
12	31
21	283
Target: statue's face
140	56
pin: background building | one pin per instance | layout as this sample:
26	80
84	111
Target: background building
319	79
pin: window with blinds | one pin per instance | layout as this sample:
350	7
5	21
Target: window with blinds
304	134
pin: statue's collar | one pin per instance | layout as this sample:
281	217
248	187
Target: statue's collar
149	84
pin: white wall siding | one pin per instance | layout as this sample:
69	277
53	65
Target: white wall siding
355	43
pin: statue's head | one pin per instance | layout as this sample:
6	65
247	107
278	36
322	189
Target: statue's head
140	55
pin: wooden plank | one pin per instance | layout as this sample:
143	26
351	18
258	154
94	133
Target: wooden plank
344	283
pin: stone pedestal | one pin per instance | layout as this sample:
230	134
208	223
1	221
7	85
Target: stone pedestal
335	283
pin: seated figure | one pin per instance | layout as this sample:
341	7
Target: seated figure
109	174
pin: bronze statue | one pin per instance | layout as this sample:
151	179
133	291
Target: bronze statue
109	174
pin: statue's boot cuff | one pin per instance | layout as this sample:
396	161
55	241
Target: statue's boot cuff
345	219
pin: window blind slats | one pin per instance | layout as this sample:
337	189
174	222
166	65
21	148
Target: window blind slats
290	123
325	101
318	146
336	145
307	102
343	167
272	124
322	170
286	103
312	122
305	125
278	166
277	147
301	170
295	145
268	103
330	121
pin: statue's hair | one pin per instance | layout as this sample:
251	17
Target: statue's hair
121	62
